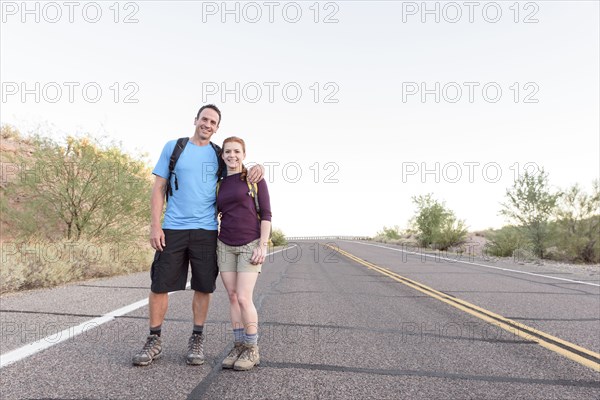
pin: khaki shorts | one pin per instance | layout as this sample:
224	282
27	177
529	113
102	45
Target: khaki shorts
236	258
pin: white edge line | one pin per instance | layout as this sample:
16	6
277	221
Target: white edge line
50	340
285	248
42	344
477	264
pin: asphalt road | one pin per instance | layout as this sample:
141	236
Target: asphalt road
330	327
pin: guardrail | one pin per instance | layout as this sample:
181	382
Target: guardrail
296	238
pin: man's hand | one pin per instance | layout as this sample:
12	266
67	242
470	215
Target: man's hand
258	254
256	173
157	238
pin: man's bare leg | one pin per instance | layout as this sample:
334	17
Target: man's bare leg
200	305
157	304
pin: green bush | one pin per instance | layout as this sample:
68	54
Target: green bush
452	233
436	225
391	233
278	238
503	242
575	234
530	203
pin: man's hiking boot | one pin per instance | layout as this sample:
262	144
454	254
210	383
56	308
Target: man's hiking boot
195	355
151	350
233	355
248	359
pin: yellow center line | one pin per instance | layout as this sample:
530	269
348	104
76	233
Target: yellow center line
570	350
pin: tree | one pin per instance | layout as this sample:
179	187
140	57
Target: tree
530	203
436	225
578	223
83	189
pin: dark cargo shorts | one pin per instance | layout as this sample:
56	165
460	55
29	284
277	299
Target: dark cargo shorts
197	247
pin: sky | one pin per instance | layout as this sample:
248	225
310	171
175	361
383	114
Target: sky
353	107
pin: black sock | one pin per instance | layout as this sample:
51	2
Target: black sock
156	330
198	329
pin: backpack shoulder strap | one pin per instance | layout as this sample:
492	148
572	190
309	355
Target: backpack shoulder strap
216	148
222	169
179	146
253	192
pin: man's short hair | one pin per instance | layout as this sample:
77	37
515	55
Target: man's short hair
212	107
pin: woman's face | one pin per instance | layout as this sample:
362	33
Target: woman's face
233	155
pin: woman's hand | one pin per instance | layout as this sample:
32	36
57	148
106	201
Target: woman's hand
259	254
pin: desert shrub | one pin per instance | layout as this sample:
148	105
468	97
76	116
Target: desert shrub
391	233
503	242
576	233
436	225
82	189
71	211
530	204
37	263
278	238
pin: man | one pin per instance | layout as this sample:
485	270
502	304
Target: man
188	234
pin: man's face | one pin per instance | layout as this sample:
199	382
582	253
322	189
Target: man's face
207	123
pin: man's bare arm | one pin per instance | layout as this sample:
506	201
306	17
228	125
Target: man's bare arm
256	173
157	202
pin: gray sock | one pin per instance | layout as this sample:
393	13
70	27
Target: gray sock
238	335
251	339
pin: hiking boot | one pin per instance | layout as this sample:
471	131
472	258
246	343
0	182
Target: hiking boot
151	350
195	354
248	359
233	355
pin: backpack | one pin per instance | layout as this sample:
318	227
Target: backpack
179	146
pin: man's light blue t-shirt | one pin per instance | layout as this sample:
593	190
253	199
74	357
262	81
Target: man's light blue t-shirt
193	205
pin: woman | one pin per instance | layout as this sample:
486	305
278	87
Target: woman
241	250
